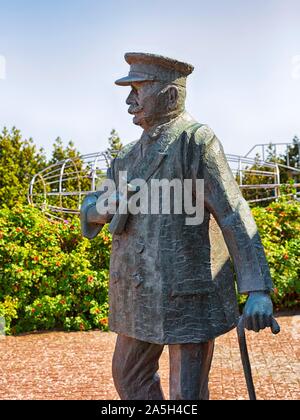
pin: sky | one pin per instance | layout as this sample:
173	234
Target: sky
59	60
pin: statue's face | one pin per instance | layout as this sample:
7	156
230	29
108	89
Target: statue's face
149	102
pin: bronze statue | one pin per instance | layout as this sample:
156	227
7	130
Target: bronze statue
171	283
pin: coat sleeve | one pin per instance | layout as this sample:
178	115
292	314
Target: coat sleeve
222	197
91	230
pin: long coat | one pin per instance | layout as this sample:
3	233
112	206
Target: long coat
171	282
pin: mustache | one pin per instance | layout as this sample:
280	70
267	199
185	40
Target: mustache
134	109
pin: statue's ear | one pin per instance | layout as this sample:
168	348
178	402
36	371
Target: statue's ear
172	97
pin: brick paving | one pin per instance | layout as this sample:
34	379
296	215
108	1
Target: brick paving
60	365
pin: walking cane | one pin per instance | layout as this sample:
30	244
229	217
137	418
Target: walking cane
275	328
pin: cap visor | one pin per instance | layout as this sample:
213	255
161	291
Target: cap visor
126	81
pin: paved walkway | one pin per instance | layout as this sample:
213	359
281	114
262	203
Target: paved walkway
78	365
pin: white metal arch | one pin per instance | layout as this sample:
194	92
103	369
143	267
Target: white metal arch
87	167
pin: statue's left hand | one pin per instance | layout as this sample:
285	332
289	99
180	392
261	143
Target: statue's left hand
258	313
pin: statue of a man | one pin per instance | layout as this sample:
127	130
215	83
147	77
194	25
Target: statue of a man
171	282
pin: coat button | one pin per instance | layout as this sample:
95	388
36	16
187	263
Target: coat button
137	279
114	276
139	247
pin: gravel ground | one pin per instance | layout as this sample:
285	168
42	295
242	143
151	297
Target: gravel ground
59	365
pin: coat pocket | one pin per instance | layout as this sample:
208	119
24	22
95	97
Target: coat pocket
193	287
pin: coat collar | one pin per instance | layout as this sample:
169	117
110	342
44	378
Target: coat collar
160	139
164	134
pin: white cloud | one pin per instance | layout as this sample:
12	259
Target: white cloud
2	67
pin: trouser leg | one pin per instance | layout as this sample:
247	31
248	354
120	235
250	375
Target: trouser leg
189	369
135	366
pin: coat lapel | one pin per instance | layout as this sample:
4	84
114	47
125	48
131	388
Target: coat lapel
146	166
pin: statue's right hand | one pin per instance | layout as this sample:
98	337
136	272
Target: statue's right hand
115	198
89	200
105	208
109	205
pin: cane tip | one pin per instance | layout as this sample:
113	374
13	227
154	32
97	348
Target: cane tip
275	328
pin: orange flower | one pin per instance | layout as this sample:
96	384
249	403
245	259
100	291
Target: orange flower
104	321
90	279
286	257
58	264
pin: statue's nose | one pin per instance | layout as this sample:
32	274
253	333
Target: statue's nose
130	100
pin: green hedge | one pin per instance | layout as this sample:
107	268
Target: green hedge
279	227
52	278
